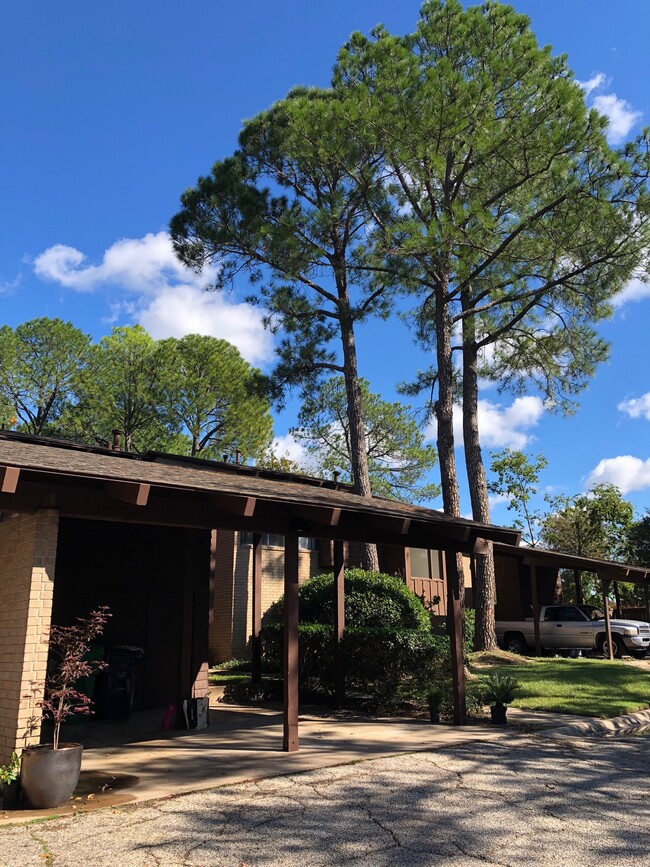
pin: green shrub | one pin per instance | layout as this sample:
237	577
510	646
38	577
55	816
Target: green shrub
387	646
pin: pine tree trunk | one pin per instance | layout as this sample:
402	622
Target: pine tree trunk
484	583
358	453
444	411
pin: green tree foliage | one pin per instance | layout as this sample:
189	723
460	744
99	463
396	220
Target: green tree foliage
397	455
40	361
517	478
211	394
120	388
596	524
286	211
515	220
387	646
638	541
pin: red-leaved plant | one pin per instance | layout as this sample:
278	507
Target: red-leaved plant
69	646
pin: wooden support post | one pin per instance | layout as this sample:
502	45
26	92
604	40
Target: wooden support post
187	620
339	622
290	741
256	637
617	597
608	625
455	630
533	594
578	583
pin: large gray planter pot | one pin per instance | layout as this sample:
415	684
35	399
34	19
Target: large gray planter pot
48	777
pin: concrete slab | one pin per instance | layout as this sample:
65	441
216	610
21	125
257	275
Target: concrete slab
136	760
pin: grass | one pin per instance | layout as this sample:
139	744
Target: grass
218	678
586	687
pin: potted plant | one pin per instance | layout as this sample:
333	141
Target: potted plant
498	691
49	772
435	698
9	785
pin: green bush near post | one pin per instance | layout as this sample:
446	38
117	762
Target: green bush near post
387	647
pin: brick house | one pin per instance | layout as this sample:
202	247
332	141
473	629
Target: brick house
82	526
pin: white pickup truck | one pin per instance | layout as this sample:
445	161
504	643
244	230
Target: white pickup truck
575	627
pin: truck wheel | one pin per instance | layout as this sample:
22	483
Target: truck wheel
514	642
619	647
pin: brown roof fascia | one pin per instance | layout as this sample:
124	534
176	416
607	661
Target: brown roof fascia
543	557
45	465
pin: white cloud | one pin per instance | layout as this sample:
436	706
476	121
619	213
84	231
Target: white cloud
593	83
636	290
636	407
143	265
287	446
625	471
622	116
180	310
163	295
499	427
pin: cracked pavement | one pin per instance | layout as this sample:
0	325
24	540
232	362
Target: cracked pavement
517	801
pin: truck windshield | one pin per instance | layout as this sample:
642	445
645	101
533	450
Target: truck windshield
592	612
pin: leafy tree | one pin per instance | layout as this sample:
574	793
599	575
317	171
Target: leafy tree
595	524
121	388
397	455
40	361
638	541
511	214
285	211
517	477
209	391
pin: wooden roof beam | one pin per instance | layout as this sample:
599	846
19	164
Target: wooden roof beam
9	479
326	515
243	506
136	493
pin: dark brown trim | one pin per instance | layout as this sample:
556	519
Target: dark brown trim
533	594
9	479
455	630
339	621
290	741
129	492
256	637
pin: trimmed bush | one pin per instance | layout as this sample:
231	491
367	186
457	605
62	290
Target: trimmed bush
387	645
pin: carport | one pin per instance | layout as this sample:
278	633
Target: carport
609	574
52	490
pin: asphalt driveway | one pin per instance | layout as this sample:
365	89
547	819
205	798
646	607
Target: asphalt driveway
516	801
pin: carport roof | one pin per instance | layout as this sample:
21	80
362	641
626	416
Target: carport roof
93	482
558	560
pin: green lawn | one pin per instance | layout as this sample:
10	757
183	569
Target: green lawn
220	678
588	687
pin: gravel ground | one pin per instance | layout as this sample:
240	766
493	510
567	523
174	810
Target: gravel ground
518	801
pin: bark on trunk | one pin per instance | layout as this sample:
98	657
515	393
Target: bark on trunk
484	591
444	411
358	453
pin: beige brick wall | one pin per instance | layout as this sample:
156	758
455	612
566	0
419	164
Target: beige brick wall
27	557
231	625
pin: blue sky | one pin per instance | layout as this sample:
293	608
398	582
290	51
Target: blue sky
112	110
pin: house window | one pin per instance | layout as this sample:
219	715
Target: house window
425	563
276	540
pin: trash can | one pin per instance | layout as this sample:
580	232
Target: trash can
119	682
